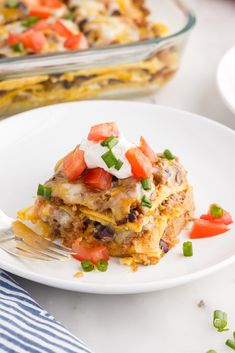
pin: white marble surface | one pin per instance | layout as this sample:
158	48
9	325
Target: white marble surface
167	321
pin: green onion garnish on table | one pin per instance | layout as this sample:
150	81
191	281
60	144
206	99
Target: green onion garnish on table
102	265
44	192
168	155
220	320
211	351
109	159
110	142
30	21
146	184
87	266
230	344
188	248
146	202
18	47
216	211
11	4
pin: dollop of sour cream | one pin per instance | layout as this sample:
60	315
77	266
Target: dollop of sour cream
94	150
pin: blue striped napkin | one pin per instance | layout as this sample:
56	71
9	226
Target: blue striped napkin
26	327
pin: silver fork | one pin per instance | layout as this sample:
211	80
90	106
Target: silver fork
28	243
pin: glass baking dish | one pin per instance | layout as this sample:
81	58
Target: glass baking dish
114	71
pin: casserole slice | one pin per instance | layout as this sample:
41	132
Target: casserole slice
109	192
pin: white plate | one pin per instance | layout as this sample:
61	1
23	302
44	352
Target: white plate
31	143
226	79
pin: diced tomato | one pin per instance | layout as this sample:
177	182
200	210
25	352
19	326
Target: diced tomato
225	219
13	39
76	42
40	11
203	229
98	178
140	165
93	254
101	131
147	150
73	165
33	40
60	29
41	25
55	4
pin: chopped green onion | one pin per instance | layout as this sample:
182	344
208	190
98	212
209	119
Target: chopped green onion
102	265
220	320
234	336
110	142
44	192
87	266
119	164
30	21
18	47
188	248
109	159
230	344
11	4
168	155
216	211
146	202
146	184
69	16
211	351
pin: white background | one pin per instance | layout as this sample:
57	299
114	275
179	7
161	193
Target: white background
169	321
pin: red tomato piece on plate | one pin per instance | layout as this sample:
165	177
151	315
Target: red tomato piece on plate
225	219
141	166
76	42
98	178
101	131
73	165
93	254
147	150
204	229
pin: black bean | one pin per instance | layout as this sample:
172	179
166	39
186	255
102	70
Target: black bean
86	223
67	84
57	232
73	8
164	246
116	13
132	217
104	233
82	23
121	222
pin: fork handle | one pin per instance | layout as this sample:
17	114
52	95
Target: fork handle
5	221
